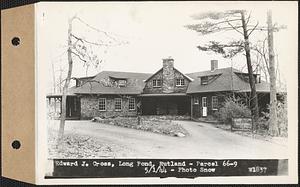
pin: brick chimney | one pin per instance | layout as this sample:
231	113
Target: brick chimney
214	65
168	75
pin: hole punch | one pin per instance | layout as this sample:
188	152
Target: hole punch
15	41
16	144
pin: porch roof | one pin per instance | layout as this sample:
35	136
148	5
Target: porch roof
58	95
163	94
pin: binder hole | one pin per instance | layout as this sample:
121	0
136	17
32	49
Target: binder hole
16	144
15	41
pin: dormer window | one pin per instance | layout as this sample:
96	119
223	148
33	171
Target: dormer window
122	82
204	80
118	81
245	77
78	83
180	82
157	83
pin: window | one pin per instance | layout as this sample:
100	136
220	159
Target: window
118	104
77	83
157	83
180	82
122	82
131	103
204	103
102	104
196	100
214	102
204	80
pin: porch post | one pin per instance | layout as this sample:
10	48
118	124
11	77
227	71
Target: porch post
54	105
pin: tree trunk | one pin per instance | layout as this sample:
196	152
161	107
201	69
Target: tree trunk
254	102
273	114
65	88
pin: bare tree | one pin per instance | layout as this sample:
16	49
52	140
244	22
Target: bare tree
80	47
232	20
261	53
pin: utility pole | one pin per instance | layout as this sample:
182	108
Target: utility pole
273	129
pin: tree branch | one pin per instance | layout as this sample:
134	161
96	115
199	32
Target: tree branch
93	43
226	21
253	28
248	19
80	58
95	29
235	28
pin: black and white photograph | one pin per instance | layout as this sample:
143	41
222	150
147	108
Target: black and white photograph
193	86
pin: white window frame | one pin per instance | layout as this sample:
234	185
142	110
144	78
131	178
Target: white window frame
212	102
204	98
104	104
180	82
196	100
133	103
155	83
115	100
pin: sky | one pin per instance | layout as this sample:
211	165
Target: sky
153	31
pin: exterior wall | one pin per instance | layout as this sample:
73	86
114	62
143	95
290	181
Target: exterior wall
180	89
149	89
149	84
90	106
263	98
197	108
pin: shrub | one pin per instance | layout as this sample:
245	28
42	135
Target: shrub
282	120
232	108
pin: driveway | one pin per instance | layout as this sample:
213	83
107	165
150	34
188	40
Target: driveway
203	141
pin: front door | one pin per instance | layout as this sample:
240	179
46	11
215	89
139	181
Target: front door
204	106
73	107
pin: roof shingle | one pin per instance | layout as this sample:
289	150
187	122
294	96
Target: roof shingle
226	80
100	84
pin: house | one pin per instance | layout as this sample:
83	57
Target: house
166	92
210	89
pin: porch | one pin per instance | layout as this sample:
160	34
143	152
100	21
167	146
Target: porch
165	104
54	106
